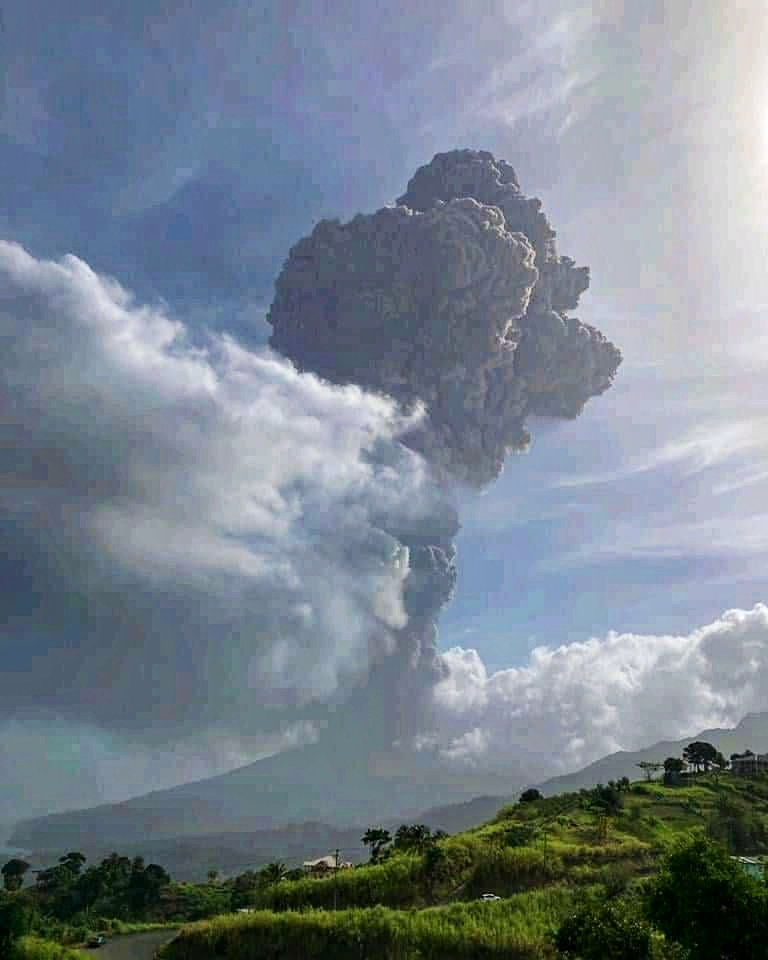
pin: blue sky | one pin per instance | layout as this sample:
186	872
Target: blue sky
183	148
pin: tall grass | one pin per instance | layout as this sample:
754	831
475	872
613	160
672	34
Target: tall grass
395	883
33	948
515	929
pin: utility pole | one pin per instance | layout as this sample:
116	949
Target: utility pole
335	884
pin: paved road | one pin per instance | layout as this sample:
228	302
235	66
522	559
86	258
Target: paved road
135	946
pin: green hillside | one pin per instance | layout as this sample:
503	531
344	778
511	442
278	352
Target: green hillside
544	858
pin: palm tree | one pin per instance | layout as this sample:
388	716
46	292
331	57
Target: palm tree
376	838
274	872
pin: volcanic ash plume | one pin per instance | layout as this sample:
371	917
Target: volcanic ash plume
454	299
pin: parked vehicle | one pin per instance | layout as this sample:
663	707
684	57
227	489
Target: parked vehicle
490	897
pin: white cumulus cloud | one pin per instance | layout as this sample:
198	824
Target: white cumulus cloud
571	704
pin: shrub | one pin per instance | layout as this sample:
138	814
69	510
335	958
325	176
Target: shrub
32	948
519	834
531	795
608	932
695	877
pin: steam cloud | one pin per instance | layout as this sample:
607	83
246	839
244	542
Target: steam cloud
199	533
456	299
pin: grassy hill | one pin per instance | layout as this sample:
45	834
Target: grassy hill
541	858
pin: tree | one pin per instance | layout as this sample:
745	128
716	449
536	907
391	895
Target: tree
144	885
377	839
606	799
243	888
412	837
213	876
605	932
73	862
649	767
13	874
700	754
273	872
14	914
719	761
531	795
703	900
434	862
674	765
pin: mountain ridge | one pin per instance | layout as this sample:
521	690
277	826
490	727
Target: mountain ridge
197	814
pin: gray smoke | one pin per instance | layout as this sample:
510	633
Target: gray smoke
455	299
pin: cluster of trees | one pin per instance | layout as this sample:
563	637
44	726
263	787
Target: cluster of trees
608	798
117	887
246	884
701	906
408	838
698	755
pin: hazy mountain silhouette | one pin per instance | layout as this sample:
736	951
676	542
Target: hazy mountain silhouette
319	798
751	732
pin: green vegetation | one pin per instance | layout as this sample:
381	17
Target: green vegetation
581	876
704	901
619	871
32	948
515	928
700	906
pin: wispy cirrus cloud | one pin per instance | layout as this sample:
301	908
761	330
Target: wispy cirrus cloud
697	450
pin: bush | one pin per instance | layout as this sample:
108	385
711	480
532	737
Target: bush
32	948
704	901
531	795
14	919
519	834
616	878
608	932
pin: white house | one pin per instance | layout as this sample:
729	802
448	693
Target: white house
325	864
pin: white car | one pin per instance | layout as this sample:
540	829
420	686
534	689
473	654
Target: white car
490	897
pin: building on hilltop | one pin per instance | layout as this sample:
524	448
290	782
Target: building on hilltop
324	865
749	764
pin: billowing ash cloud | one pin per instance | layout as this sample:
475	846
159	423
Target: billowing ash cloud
200	533
456	298
192	534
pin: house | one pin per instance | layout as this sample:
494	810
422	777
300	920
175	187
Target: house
751	866
324	865
749	764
